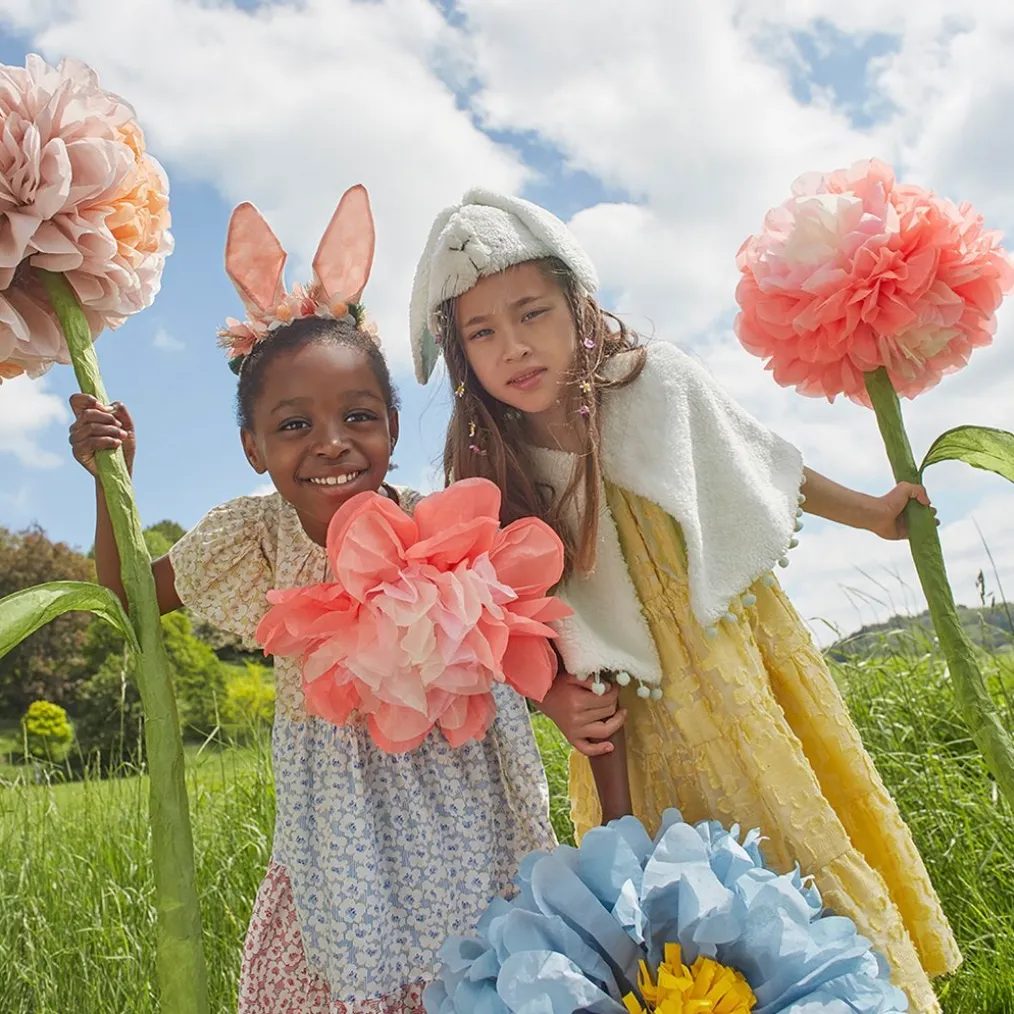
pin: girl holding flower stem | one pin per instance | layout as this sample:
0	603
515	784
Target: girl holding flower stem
377	856
674	505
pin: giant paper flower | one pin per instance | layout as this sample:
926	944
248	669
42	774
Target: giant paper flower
425	614
78	196
690	923
856	272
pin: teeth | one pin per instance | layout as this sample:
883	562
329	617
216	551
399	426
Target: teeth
336	480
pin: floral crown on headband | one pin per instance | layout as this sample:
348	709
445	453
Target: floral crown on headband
254	261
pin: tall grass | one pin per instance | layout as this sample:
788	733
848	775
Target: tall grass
76	916
964	829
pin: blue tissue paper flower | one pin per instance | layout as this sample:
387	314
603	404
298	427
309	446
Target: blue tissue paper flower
583	920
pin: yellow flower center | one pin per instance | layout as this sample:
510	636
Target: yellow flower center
705	988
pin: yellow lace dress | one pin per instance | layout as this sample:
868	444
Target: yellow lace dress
752	729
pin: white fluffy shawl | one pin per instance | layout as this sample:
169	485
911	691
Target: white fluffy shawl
676	438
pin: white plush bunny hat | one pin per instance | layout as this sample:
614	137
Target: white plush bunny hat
482	236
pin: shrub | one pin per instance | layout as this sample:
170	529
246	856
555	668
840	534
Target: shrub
249	699
48	733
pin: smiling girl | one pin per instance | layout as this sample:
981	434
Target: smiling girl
377	857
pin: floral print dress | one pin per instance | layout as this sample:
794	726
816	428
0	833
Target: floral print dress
377	857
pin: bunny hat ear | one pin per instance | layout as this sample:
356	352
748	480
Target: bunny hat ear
254	259
345	256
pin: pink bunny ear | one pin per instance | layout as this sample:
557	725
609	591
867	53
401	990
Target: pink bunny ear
345	255
254	259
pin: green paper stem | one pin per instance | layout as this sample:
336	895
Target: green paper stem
182	975
970	690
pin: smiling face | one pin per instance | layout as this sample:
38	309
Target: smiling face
322	429
519	338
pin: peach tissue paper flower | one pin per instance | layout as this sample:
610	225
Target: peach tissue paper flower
78	196
426	613
856	272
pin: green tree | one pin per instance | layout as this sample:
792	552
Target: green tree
198	676
48	664
108	719
107	706
161	537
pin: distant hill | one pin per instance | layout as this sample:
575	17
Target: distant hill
989	627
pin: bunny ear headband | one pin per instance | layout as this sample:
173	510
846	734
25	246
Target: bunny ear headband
254	260
485	234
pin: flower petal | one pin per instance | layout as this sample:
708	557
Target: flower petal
366	541
528	556
529	666
462	501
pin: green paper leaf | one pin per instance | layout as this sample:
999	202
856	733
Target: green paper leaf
22	613
979	446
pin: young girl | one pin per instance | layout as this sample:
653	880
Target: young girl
377	857
674	506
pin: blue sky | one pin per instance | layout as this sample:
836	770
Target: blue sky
181	393
591	163
164	364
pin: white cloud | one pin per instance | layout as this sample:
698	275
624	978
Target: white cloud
26	409
263	489
17	501
165	342
840	578
424	477
689	109
289	105
686	108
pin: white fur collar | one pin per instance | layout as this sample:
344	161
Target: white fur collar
676	438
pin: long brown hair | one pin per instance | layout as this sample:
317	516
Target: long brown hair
487	438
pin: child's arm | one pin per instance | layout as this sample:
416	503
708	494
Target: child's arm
882	515
101	428
588	721
593	725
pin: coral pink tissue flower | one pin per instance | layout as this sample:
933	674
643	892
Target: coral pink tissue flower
78	196
425	614
856	272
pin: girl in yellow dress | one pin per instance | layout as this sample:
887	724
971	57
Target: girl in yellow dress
674	506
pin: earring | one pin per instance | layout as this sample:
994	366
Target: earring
474	445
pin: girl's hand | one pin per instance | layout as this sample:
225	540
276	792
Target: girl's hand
889	520
585	719
99	427
882	515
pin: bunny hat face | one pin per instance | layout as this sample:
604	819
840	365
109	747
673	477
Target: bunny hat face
254	261
483	235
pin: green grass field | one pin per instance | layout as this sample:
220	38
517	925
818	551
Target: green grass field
76	915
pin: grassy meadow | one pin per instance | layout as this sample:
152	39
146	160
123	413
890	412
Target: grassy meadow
76	913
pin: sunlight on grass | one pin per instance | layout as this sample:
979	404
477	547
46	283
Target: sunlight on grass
76	915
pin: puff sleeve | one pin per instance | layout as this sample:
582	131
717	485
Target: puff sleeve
224	566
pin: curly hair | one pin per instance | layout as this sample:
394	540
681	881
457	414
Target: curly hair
308	331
